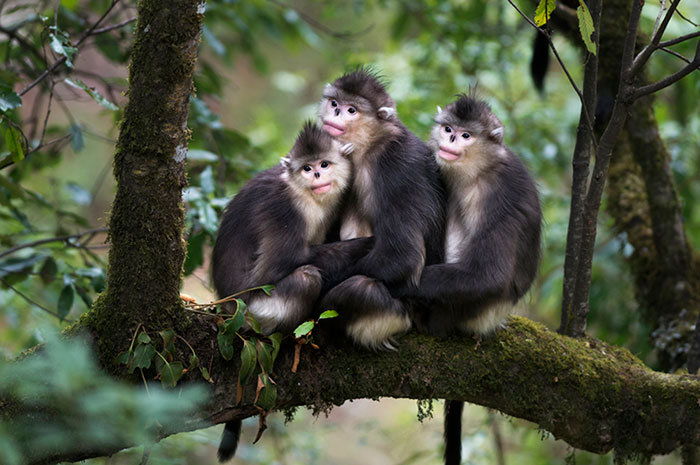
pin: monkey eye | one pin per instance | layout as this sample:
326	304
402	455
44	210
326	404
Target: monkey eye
334	103
307	168
324	164
448	129
351	110
466	135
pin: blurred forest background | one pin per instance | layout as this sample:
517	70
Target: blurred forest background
261	69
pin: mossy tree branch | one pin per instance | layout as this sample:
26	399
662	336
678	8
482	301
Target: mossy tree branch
592	395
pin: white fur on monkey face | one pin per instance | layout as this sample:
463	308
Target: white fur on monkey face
453	142
337	116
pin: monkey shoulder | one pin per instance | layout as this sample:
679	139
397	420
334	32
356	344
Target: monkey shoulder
263	207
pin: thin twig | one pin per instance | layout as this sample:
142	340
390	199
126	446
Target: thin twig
49	143
658	17
675	54
668	80
320	26
114	26
686	19
643	56
51	239
36	304
589	120
680	39
63	59
48	112
24	43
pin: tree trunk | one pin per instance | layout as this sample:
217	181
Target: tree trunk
643	200
147	219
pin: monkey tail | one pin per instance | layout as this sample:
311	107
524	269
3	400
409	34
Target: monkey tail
229	440
453	431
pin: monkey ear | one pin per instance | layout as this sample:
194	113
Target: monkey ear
284	161
347	149
439	110
497	135
386	112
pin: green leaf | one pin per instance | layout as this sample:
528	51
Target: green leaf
304	328
205	373
249	358
65	301
328	314
276	339
76	137
79	194
144	338
268	288
48	270
170	373
254	324
240	306
18	265
124	357
194	362
84	296
14	189
225	341
143	354
168	336
93	93
544	11
235	323
61	45
206	180
585	25
268	394
8	98
208	218
13	141
202	155
265	356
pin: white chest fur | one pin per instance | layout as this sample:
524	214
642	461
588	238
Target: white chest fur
463	219
317	218
356	218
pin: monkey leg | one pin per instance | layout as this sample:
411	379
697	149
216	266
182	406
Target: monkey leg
367	313
290	303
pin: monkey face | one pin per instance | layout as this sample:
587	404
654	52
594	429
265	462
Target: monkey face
452	141
318	176
338	116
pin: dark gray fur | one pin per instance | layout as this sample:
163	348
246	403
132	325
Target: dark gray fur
407	215
499	259
502	256
264	210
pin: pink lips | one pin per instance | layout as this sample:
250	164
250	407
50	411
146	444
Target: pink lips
447	154
333	129
322	189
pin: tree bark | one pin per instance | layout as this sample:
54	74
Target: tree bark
147	220
643	200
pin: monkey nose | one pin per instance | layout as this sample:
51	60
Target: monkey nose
452	138
337	111
317	175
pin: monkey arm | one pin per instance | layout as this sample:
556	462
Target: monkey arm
457	283
335	259
408	206
397	256
486	270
